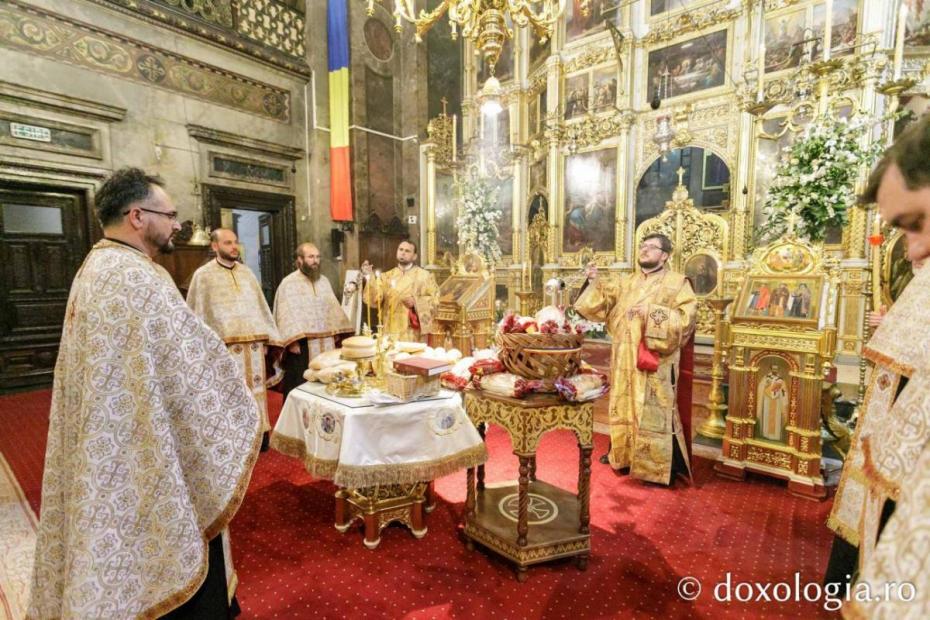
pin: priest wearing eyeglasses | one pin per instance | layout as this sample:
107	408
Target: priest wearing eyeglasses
653	307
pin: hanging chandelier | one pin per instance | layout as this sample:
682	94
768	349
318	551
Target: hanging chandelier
484	22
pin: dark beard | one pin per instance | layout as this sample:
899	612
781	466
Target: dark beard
227	257
163	248
311	272
647	264
167	247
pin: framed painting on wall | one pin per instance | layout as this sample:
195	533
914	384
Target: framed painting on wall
845	25
702	270
604	96
917	30
576	95
590	202
898	270
688	67
578	25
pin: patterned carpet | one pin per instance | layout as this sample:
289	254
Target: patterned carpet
292	563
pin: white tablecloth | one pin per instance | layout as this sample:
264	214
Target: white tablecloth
355	445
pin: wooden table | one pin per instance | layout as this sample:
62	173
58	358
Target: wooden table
498	517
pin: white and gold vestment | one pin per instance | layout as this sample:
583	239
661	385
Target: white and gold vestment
307	309
388	292
231	302
152	439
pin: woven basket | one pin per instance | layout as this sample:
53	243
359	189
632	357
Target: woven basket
541	356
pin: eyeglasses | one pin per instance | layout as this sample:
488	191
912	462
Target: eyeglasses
650	246
171	215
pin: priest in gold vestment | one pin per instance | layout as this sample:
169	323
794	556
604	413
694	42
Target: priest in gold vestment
894	421
152	433
406	296
228	297
308	315
659	305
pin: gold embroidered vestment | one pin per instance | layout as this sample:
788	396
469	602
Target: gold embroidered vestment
644	418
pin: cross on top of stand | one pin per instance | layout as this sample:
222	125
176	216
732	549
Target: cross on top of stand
681	175
444	101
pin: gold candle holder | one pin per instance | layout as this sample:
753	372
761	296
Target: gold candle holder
895	88
715	425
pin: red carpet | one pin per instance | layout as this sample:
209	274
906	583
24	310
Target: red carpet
292	562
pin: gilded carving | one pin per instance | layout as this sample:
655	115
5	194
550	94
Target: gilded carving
690	21
782	460
591	130
589	58
526	425
42	33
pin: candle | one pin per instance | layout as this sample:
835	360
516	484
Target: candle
454	136
760	95
828	30
899	41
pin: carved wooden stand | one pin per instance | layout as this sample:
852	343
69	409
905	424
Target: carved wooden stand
378	506
559	518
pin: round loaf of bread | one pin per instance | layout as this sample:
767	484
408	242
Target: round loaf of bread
358	347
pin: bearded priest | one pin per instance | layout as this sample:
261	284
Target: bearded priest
152	433
656	307
228	297
308	315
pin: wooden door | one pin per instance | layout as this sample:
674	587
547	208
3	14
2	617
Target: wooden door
43	240
266	257
277	224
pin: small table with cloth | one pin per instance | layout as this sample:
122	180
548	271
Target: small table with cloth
382	458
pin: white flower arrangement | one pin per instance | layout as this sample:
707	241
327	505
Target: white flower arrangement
480	214
816	177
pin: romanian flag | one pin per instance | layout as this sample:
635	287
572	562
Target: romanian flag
340	176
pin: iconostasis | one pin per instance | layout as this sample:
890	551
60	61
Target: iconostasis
597	124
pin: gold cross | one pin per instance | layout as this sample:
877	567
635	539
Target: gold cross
681	175
792	219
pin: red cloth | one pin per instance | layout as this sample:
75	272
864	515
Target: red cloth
685	383
413	318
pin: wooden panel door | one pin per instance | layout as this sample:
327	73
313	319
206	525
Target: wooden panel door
266	257
43	240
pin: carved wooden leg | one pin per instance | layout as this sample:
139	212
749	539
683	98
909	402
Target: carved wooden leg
430	497
521	574
533	468
584	488
342	510
482	429
523	501
582	562
470	494
372	532
417	521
